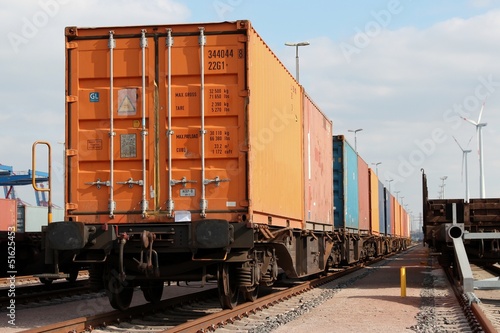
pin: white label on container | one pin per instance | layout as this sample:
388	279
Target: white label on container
188	192
182	216
230	204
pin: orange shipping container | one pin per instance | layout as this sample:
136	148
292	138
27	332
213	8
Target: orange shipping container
398	219
374	203
405	224
170	123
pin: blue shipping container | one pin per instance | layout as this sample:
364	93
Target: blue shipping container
345	184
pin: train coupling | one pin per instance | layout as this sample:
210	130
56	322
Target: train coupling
146	264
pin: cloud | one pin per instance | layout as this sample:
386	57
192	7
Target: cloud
32	58
404	85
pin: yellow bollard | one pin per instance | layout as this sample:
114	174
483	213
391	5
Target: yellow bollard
402	273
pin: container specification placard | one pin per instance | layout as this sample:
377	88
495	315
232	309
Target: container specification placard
218	142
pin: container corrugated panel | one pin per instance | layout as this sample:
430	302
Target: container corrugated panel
8	215
232	124
318	159
374	203
363	195
345	184
33	218
404	223
276	138
397	218
381	207
390	215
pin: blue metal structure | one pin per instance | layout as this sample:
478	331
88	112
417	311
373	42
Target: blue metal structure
9	179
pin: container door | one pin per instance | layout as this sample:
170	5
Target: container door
110	119
202	97
155	124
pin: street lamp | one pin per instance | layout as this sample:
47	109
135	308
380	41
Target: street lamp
389	181
297	56
376	167
397	192
402	200
442	186
355	140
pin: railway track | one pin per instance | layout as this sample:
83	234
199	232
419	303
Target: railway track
490	299
34	293
481	317
29	290
201	312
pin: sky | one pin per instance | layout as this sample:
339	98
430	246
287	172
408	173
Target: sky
403	71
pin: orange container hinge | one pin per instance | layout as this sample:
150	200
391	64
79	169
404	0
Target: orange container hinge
71	45
71	99
71	152
71	206
244	93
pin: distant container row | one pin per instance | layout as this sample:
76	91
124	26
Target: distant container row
361	202
21	218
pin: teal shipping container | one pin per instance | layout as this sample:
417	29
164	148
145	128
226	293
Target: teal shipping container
345	185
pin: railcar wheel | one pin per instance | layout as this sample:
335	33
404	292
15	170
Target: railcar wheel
46	281
152	290
251	295
73	275
227	285
119	293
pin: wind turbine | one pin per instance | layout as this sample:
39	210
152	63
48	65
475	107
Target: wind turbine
479	126
464	163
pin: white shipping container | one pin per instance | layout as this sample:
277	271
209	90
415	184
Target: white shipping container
32	218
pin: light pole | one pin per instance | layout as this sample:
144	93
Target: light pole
402	201
376	167
442	186
389	181
397	192
297	56
355	140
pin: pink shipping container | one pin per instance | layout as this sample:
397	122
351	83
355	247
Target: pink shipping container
363	196
318	156
8	215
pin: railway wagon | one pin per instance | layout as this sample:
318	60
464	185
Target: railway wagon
357	203
445	219
192	154
21	237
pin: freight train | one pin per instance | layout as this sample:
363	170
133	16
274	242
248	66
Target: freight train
21	238
475	223
21	224
192	154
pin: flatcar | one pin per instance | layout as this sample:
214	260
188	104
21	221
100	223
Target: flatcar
446	219
21	238
193	154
